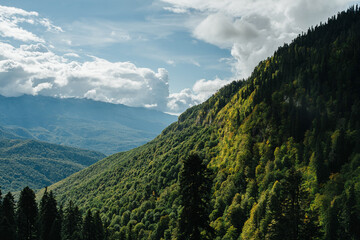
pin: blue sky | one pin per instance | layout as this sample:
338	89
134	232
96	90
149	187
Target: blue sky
162	54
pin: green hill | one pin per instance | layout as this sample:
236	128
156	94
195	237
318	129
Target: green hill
38	164
283	146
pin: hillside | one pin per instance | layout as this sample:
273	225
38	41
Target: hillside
38	164
283	146
81	123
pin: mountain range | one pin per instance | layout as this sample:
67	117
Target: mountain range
81	123
283	147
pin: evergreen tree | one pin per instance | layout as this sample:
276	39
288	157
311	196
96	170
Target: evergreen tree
50	221
88	229
338	155
7	221
352	221
71	226
27	212
99	227
194	192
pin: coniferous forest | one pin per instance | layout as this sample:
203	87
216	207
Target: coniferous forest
275	156
27	219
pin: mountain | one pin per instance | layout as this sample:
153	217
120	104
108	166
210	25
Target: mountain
81	123
39	164
283	147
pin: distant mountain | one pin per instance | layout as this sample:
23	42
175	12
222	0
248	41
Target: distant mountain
81	123
283	147
38	164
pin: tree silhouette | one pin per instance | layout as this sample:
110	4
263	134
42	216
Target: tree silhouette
195	186
27	212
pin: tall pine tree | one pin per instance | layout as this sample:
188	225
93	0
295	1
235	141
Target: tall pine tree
72	222
7	220
27	212
88	230
195	186
50	222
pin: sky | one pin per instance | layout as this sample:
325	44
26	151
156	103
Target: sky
166	55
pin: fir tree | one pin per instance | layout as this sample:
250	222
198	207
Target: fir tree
7	221
88	230
71	226
50	227
99	227
194	192
27	212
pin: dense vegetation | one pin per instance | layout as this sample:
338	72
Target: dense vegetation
81	123
39	164
283	148
46	221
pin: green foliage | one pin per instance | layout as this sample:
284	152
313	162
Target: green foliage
284	146
47	223
194	191
39	164
72	223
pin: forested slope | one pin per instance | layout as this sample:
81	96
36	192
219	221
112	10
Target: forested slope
39	164
283	147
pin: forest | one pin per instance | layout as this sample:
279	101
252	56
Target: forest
46	220
275	156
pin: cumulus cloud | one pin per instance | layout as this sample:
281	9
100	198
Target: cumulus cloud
201	91
253	30
34	69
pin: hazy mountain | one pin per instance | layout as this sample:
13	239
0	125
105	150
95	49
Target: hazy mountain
38	164
283	146
81	123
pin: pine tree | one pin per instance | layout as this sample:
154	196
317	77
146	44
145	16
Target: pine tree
7	221
88	232
27	212
194	192
71	226
352	215
99	227
49	218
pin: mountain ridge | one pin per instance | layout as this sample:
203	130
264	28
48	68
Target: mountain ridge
292	127
81	123
39	164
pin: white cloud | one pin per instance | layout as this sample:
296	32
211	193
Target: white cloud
170	62
178	102
12	18
73	55
205	88
33	69
201	91
253	30
175	9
